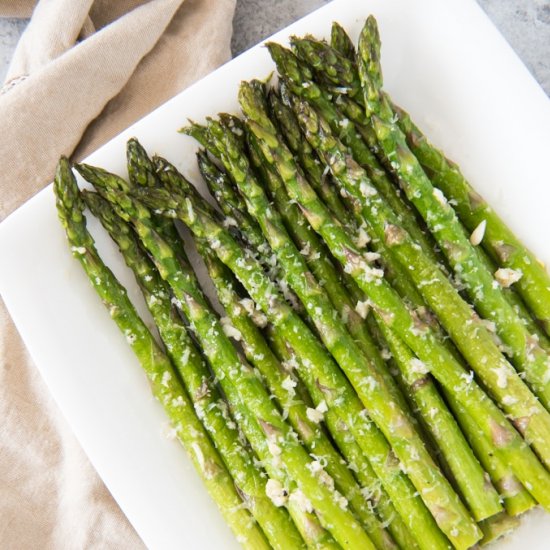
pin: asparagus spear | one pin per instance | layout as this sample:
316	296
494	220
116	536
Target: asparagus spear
299	80
372	488
232	204
341	42
312	166
164	382
468	472
336	387
238	381
485	293
283	386
140	168
376	396
499	240
497	527
420	339
341	77
208	404
317	258
346	78
234	207
516	498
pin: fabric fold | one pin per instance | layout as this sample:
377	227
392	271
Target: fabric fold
83	71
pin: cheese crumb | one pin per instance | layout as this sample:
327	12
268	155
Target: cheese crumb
316	415
276	492
289	384
366	189
166	377
502	376
229	330
507	277
509	400
478	233
440	197
362	308
303	503
417	366
362	238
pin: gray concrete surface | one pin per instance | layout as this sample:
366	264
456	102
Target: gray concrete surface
524	23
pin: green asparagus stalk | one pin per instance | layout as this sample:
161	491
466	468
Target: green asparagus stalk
313	534
140	168
140	174
419	338
497	527
476	490
372	488
208	404
164	382
341	42
317	258
335	387
283	386
290	130
299	80
485	293
327	63
233	206
235	376
231	203
498	239
331	67
516	498
346	78
470	477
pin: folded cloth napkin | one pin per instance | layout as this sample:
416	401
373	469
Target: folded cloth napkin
83	71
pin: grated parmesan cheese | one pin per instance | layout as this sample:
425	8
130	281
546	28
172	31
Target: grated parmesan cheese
507	277
478	233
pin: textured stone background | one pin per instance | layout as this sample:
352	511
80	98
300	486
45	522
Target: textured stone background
524	23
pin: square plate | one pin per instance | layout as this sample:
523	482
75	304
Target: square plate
444	62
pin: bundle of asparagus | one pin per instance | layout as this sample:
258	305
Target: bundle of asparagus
382	377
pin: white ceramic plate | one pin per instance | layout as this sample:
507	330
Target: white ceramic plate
444	62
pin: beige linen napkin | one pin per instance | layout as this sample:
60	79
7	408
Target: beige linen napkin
83	71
